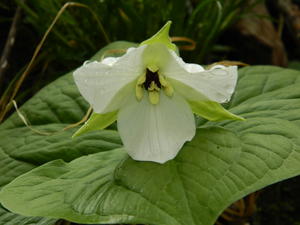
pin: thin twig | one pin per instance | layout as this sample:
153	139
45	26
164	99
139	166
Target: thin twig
22	117
190	47
228	63
9	44
8	104
27	123
85	118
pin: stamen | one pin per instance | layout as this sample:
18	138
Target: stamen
139	92
152	82
168	89
152	68
154	97
141	80
162	80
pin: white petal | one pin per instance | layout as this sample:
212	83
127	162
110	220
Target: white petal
192	68
101	82
110	60
155	132
130	49
217	83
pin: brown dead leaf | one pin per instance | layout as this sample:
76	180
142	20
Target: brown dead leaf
260	27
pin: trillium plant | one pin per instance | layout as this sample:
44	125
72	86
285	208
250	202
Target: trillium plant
153	93
176	157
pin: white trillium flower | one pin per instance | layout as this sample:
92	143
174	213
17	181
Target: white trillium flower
153	94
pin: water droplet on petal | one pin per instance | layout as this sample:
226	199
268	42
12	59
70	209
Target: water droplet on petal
87	62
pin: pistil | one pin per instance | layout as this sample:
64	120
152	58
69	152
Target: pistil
152	82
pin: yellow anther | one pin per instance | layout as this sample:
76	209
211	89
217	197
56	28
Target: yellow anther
139	92
153	97
152	68
152	84
168	89
162	80
141	80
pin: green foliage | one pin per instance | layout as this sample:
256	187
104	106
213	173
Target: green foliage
77	36
212	111
52	109
92	180
294	65
97	122
8	218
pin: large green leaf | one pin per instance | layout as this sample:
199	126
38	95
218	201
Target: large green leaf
52	109
11	168
224	162
8	218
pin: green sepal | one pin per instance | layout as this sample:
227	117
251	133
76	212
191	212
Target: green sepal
212	111
97	122
162	37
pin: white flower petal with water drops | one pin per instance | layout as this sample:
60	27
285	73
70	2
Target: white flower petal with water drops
153	94
110	61
217	83
155	132
101	82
